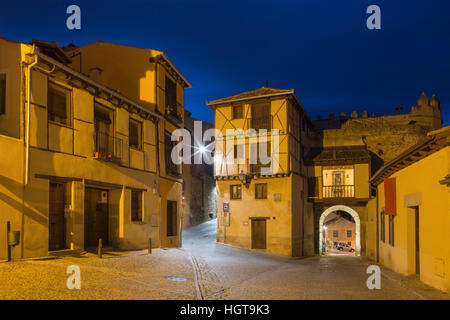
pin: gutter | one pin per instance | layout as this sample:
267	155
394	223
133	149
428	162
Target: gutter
97	85
27	153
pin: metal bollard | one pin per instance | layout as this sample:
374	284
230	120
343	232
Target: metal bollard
100	248
149	245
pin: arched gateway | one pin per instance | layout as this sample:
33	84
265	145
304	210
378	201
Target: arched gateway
355	216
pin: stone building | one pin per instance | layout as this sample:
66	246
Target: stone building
199	185
339	229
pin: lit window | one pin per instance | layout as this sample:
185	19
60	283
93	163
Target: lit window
236	192
261	191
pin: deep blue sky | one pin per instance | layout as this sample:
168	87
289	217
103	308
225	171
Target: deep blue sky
322	49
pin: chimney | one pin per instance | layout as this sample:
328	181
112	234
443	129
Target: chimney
95	74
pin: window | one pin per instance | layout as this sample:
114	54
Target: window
236	192
171	93
382	226
171	168
335	233
58	104
238	148
136	205
349	233
391	230
261	191
2	93
171	218
135	134
238	111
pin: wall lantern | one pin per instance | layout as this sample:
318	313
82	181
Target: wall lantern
245	179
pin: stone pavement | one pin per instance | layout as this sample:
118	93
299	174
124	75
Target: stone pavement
203	269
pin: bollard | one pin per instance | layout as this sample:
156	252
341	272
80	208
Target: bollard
149	245
100	248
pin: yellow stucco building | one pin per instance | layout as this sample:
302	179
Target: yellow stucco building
265	209
409	228
323	167
84	148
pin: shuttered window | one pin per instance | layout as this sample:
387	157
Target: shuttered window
261	191
58	104
171	93
238	111
136	205
235	192
2	93
135	134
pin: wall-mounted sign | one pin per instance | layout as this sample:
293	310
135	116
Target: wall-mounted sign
226	207
277	197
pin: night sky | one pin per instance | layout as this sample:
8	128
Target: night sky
322	49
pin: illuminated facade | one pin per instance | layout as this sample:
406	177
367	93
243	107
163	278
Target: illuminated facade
409	222
86	158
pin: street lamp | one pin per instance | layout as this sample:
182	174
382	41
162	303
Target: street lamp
245	179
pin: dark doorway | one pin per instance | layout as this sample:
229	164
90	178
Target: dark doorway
95	217
57	221
259	234
171	218
416	218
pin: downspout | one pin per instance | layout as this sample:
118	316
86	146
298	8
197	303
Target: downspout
377	234
27	153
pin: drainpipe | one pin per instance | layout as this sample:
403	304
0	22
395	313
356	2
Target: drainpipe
27	153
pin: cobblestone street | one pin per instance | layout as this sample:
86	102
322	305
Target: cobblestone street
204	270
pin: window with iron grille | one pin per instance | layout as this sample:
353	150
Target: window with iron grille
58	104
391	230
236	192
2	93
349	233
382	227
261	191
136	205
171	220
135	134
335	233
238	111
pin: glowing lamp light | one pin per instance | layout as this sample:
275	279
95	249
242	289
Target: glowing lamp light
202	149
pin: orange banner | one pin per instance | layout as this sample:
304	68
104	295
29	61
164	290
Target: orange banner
390	197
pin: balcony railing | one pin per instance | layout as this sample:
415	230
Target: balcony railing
172	112
108	147
338	191
257	123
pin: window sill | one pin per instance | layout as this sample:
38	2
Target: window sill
137	222
136	149
60	124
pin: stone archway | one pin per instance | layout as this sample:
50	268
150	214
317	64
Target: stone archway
355	216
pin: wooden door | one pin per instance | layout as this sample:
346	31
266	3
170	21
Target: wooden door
57	221
258	234
96	220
